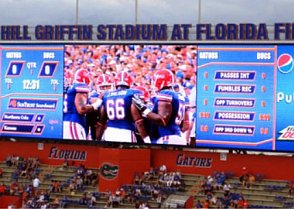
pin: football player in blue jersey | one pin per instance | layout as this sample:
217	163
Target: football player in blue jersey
145	97
103	84
168	111
186	132
76	106
118	117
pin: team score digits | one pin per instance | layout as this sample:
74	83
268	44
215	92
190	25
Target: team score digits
181	113
31	84
263	55
115	109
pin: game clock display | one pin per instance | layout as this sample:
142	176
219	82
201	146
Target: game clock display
32	91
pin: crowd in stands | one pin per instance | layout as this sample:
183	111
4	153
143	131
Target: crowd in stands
141	61
26	168
218	182
34	197
153	185
150	187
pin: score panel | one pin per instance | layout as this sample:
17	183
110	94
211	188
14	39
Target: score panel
236	97
31	91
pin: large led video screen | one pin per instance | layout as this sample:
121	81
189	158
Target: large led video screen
225	96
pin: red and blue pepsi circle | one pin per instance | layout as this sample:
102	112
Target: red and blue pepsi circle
285	63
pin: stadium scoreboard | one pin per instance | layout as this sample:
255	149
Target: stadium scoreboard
32	91
245	94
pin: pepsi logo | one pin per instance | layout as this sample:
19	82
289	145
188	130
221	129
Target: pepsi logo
285	63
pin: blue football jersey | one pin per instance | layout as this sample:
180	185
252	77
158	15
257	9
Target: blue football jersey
178	111
70	110
118	108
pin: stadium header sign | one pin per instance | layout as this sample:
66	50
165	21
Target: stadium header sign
149	32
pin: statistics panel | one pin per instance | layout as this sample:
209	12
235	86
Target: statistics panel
31	91
236	97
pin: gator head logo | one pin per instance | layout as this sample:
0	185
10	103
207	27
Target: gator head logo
108	171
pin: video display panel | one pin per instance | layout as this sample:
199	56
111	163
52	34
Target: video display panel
139	68
31	91
231	96
236	96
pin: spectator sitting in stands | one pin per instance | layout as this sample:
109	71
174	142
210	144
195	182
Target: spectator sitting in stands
162	169
207	186
72	187
137	194
226	188
244	176
251	180
146	176
36	184
88	176
116	199
14	187
245	204
159	199
55	203
65	165
152	172
8	161
94	178
122	195
56	186
162	179
1	172
219	202
137	179
206	204
198	204
92	201
14	160
81	171
109	199
240	202
211	198
84	199
2	188
23	173
41	198
155	193
291	189
35	163
79	183
177	179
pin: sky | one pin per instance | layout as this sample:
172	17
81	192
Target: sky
94	12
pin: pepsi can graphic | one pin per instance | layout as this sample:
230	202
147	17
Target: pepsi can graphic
285	63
